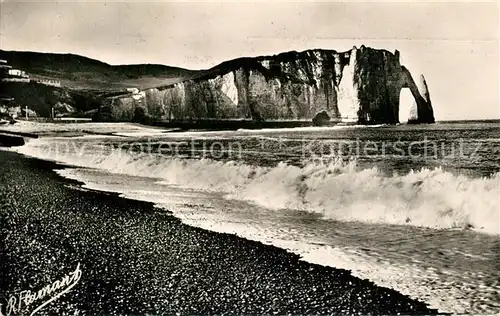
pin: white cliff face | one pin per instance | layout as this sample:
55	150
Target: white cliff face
361	85
338	69
275	85
286	67
424	92
301	75
229	87
175	102
182	92
265	64
413	115
347	92
423	89
317	68
139	95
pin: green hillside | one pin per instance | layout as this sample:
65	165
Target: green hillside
79	72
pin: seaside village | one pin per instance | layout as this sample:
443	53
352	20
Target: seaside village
12	109
8	106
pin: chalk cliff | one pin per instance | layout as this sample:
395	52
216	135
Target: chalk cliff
361	85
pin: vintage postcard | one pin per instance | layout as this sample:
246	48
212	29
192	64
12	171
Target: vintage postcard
249	158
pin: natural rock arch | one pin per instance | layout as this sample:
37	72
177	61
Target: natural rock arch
420	92
378	80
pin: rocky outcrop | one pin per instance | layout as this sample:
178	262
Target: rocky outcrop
422	111
360	85
321	119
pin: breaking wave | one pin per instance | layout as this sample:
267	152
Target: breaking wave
338	190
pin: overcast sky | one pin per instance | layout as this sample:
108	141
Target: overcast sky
455	45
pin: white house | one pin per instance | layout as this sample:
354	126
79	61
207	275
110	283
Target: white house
17	73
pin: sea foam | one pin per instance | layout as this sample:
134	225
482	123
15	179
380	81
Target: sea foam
337	190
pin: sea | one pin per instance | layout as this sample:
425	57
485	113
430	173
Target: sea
415	208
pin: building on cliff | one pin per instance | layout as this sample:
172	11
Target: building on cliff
361	85
18	73
47	82
9	74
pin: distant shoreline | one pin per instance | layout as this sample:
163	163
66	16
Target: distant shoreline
469	121
38	128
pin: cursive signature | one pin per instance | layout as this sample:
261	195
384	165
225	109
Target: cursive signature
18	302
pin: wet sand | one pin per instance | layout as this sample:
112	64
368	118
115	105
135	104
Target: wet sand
136	259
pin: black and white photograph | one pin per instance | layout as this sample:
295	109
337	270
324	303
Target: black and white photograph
307	157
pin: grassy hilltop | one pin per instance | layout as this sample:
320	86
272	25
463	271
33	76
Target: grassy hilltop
79	72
